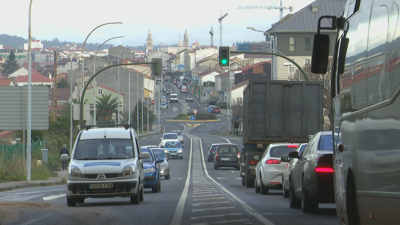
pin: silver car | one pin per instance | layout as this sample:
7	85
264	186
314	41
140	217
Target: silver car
180	135
106	163
161	153
285	174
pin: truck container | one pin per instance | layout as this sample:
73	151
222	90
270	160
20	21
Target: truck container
278	112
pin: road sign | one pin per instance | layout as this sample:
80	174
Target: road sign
211	93
208	91
192	117
209	109
195	111
153	102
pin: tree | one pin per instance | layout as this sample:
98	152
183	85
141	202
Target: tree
105	107
152	117
326	78
63	83
11	65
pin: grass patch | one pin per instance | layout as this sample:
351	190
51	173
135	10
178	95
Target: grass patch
199	116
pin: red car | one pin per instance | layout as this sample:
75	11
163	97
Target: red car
216	110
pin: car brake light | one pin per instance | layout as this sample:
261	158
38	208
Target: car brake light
238	156
292	146
324	170
216	155
253	162
273	161
287	165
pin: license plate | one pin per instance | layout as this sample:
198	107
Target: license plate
252	167
100	186
225	159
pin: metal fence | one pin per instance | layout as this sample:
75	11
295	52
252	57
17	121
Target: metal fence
9	153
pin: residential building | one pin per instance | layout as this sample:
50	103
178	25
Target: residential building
160	54
295	34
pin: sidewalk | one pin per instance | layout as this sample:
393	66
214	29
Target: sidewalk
61	175
60	178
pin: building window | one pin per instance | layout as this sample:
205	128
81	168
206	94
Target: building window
99	91
307	44
291	44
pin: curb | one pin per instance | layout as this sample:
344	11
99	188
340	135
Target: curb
191	121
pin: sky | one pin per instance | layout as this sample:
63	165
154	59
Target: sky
73	20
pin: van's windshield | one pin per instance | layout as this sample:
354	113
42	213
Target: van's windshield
97	149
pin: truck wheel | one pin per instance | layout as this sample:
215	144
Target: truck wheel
293	201
308	203
256	186
71	201
352	215
249	182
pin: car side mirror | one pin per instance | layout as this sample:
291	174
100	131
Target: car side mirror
294	155
144	155
285	159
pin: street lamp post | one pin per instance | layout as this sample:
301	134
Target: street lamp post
274	48
94	72
29	128
83	51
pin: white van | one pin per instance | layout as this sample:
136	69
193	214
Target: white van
106	163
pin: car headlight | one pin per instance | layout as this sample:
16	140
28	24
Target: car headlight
128	170
163	166
148	170
75	172
179	151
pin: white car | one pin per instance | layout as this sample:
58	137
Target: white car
285	173
269	168
168	137
106	163
173	98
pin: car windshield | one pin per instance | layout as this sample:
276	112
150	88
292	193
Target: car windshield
177	132
159	153
326	142
214	147
150	159
227	149
170	136
173	144
280	151
100	149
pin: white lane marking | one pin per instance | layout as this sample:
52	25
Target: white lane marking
261	218
177	178
223	222
217	215
238	178
176	220
205	195
213	209
207	199
221	178
209	203
52	197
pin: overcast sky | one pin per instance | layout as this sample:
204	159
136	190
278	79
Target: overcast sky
73	20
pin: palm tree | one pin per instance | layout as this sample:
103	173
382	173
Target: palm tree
106	107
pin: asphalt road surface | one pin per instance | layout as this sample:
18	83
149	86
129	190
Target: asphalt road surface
195	194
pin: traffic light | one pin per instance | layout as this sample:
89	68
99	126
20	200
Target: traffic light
156	69
224	54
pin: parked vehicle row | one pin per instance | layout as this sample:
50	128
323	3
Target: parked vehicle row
303	171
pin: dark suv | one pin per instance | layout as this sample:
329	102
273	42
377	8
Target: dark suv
226	156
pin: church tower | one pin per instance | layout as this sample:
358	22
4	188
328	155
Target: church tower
186	39
149	43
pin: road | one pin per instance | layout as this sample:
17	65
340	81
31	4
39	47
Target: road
195	194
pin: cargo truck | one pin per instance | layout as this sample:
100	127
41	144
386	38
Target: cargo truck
275	112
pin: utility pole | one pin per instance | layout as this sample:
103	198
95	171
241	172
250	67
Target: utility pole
55	88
